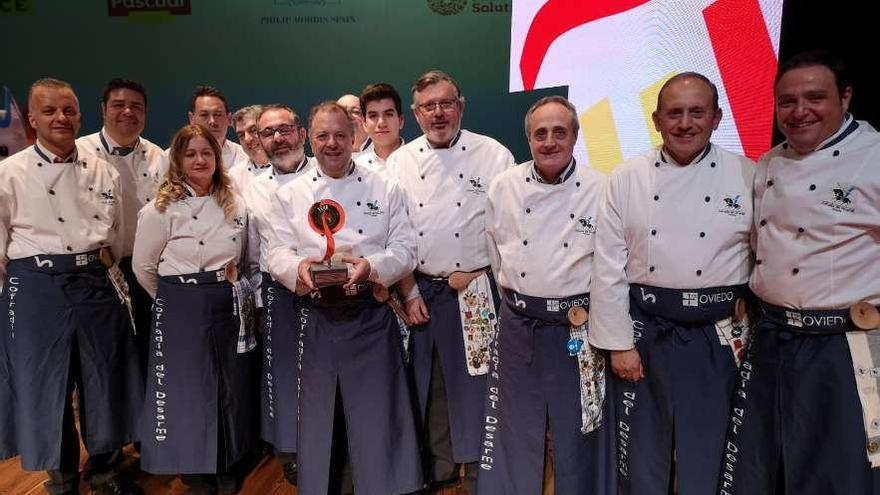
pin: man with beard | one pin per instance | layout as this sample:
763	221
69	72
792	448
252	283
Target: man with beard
282	136
444	175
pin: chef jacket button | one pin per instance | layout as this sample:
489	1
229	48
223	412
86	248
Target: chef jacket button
702	234
60	219
358	203
39	164
525	242
763	223
528	210
420	205
707	199
794	271
145	174
456	234
523	274
770	183
161	260
360	231
528	179
233	239
195	217
653	232
457	264
464	148
52	192
800	230
360	179
571	215
836	153
812	187
577	184
656	197
314	179
370	161
699	272
657	164
458	203
96	217
650	268
423	177
85	165
758	262
421	234
91	188
712	164
69	248
422	262
422	150
461	176
564	244
201	243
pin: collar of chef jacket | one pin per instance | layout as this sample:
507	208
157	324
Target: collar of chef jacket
451	143
298	169
109	144
568	172
51	157
667	159
350	170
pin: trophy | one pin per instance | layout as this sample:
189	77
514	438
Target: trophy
327	217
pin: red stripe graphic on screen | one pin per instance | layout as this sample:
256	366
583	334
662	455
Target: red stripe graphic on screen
747	70
556	18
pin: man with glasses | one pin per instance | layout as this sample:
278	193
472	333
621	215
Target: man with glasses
452	299
209	109
283	137
362	141
245	125
141	166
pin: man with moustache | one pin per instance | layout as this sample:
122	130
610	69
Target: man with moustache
208	108
282	136
244	122
362	141
540	220
671	260
804	418
141	166
444	175
350	351
61	225
383	121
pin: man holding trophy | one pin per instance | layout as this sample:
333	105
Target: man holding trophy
342	233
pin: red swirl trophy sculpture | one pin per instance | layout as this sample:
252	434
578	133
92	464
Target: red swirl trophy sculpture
327	217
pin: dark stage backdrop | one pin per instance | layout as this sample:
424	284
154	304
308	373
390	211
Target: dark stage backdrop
301	52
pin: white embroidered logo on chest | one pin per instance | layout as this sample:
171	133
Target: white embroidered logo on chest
373	208
585	225
842	200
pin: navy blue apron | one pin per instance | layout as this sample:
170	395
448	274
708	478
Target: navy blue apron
677	415
284	318
797	418
200	414
47	302
355	343
533	379
465	393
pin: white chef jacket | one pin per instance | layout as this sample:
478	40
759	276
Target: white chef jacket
233	154
58	208
671	226
376	225
258	198
365	147
191	236
242	174
817	222
445	193
541	235
140	174
369	159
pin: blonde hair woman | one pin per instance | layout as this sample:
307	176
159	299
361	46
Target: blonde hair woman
200	415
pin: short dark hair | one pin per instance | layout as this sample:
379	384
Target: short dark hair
817	58
207	91
380	91
48	82
690	75
277	106
121	83
329	106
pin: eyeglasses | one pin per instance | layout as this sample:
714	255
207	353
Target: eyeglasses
284	130
445	105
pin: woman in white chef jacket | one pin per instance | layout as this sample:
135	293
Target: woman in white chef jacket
199	416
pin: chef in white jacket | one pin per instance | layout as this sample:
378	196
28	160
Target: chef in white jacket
541	223
444	175
383	121
672	257
283	137
141	166
351	344
806	409
244	122
61	226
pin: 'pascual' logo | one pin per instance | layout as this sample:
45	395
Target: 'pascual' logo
123	8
